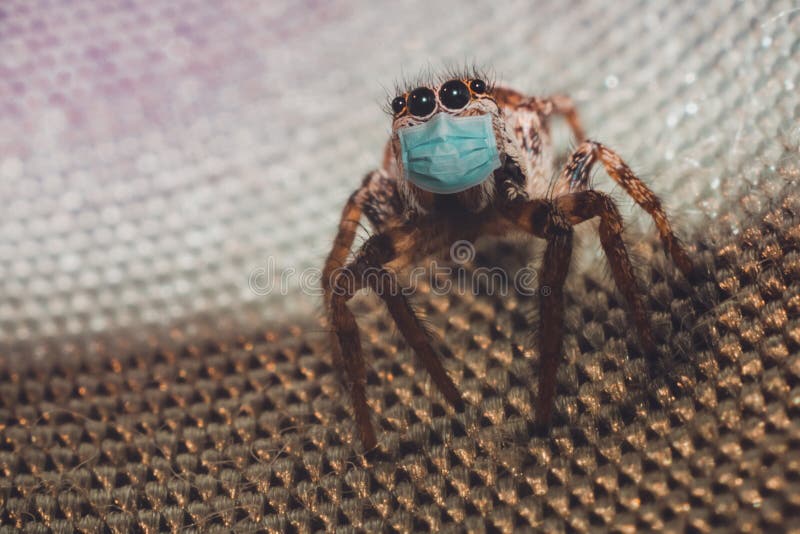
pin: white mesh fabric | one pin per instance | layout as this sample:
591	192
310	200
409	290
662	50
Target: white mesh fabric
153	155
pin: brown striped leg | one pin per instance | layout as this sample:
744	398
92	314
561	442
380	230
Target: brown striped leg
342	243
378	200
541	218
551	317
349	356
367	270
577	172
546	107
345	339
377	251
584	205
563	105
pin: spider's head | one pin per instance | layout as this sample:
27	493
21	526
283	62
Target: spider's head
448	139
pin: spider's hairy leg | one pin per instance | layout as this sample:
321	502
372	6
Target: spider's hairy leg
563	105
541	218
578	170
377	251
584	205
545	106
368	270
342	243
348	355
345	342
378	200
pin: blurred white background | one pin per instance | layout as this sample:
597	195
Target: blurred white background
153	155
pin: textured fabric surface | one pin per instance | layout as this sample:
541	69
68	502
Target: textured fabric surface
255	435
153	155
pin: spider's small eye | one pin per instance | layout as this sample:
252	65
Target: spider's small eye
478	86
454	94
421	101
398	104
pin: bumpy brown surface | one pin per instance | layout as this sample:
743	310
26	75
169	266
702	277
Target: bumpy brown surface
256	434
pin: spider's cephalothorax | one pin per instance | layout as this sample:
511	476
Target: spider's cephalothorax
457	129
467	159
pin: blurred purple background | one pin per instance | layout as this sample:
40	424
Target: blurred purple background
154	154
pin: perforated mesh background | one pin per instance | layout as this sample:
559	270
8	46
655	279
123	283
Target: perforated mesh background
152	156
255	434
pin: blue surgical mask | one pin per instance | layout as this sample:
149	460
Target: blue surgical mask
449	154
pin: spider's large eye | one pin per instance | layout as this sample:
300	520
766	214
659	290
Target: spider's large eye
398	104
454	94
478	86
421	102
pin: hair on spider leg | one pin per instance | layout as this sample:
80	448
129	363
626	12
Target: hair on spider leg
366	233
425	322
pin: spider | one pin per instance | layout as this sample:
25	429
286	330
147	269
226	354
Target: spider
465	159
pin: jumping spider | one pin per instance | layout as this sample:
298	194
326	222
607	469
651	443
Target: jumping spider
466	159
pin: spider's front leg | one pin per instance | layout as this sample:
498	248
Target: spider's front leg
562	105
553	220
584	205
345	342
578	170
368	270
541	218
545	107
